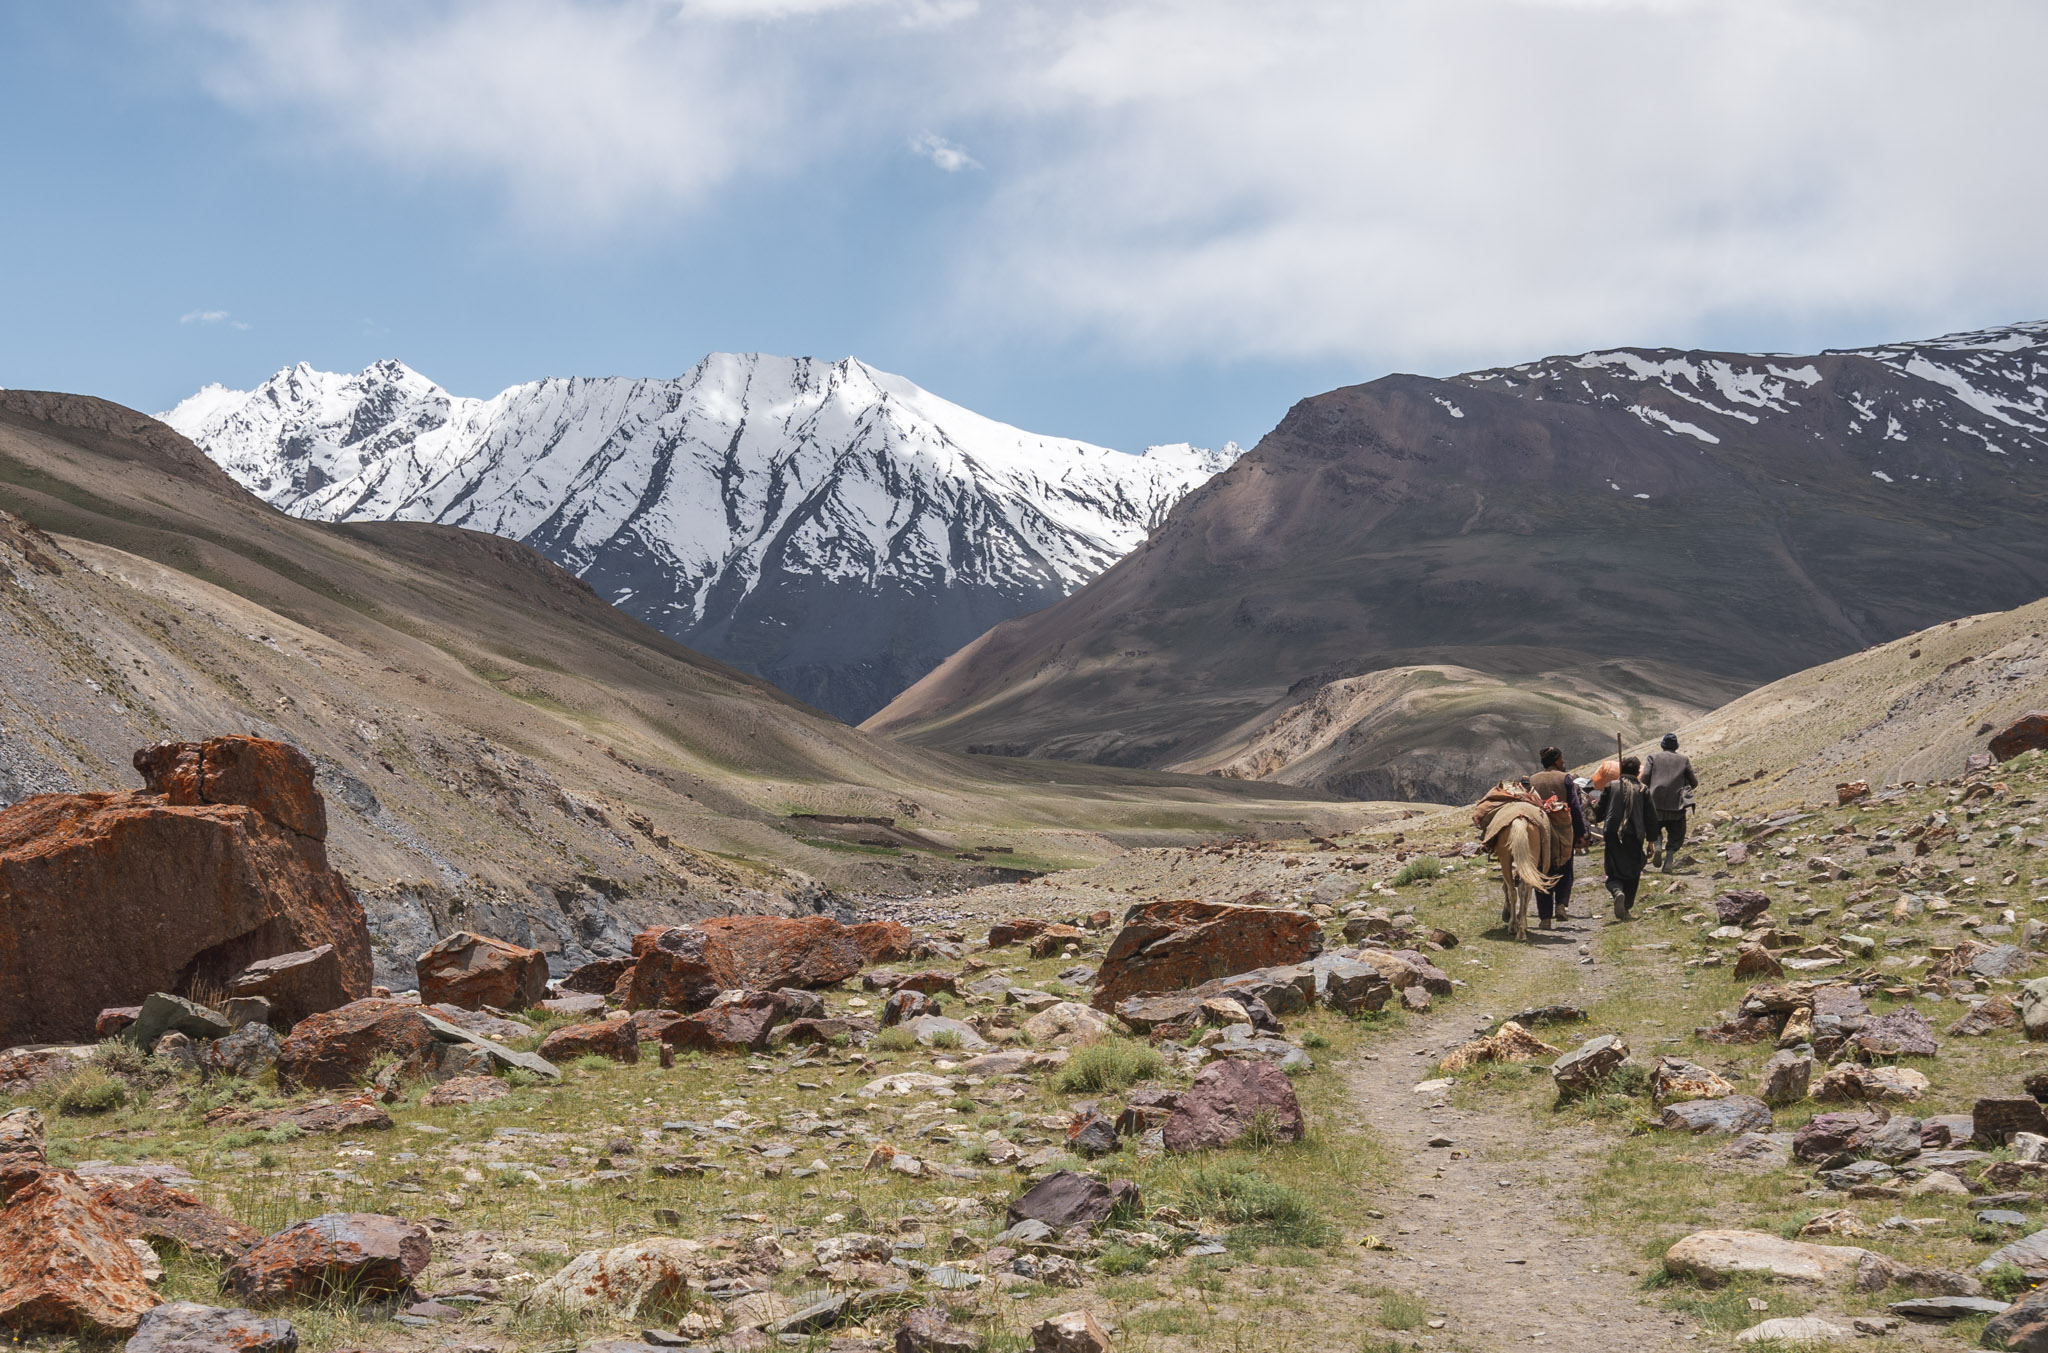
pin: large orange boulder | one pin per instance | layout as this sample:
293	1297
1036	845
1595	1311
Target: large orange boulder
883	941
336	1049
355	1255
472	971
1166	946
105	898
65	1267
685	967
2028	733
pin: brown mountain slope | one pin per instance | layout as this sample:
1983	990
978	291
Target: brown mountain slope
1916	708
500	749
1617	538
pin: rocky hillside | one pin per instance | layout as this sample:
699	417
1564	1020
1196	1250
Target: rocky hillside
1410	585
498	748
828	526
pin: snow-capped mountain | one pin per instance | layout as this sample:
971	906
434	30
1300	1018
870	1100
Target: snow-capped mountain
828	526
1988	386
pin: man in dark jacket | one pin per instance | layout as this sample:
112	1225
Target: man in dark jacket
1552	782
1669	778
1629	829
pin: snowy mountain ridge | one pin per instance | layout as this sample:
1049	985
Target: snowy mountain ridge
2000	373
829	526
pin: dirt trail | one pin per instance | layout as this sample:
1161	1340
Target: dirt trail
1489	1230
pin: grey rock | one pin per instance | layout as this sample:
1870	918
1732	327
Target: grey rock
1786	1077
2001	1216
1947	1308
1896	1140
1857	1172
2033	1003
1757	1150
819	1315
1025	1233
188	1327
498	1052
1734	1114
928	1028
2022	1328
163	1014
241	1010
247	1052
1065	1199
2002	960
2029	1254
1590	1063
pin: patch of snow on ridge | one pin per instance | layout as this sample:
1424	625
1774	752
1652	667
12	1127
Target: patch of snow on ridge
1650	415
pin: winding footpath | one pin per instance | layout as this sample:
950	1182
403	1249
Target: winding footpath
1488	1230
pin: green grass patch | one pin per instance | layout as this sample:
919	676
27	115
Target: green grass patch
1417	869
1112	1065
1271	1212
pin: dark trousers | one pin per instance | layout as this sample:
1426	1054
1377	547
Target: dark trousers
1624	867
1670	827
1560	897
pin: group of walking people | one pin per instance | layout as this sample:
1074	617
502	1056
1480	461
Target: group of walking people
1639	817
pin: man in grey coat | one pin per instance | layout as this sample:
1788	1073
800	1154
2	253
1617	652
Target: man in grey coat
1668	777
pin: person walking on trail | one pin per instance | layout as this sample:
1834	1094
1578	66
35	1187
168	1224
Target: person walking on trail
1553	782
1630	826
1669	778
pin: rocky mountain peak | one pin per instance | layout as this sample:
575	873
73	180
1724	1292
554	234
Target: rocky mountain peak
827	525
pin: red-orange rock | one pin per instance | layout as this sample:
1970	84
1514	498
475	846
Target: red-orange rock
29	1068
149	1209
352	1254
743	1025
335	1050
597	977
883	941
618	1039
112	1020
274	778
1054	939
2028	733
474	971
105	898
1015	930
1167	946
685	967
64	1265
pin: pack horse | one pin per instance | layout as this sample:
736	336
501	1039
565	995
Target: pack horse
1517	829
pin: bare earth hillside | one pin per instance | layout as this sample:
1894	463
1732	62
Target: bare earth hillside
500	749
1620	538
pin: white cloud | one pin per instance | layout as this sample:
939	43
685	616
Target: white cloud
211	317
1424	182
943	153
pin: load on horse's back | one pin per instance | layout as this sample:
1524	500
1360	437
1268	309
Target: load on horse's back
1520	830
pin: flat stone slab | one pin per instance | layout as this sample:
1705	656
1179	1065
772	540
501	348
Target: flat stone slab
1947	1308
1726	1254
525	1061
1794	1330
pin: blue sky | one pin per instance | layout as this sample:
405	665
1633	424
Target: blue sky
1125	221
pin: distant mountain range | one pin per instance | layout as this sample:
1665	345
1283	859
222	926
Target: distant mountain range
1409	586
827	526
